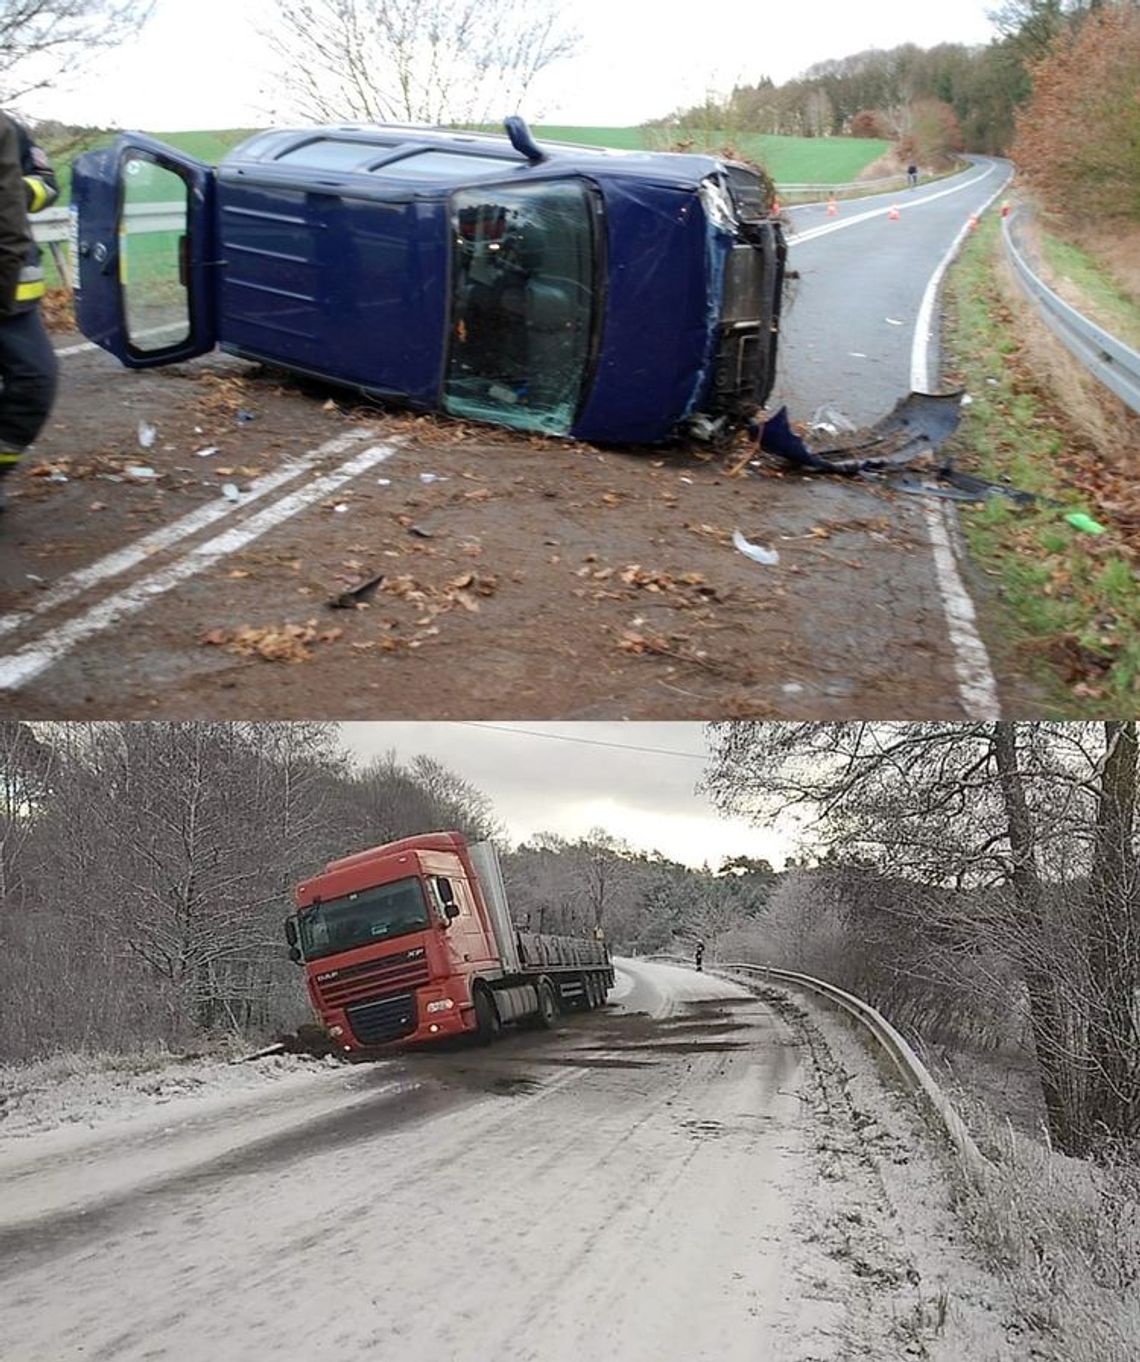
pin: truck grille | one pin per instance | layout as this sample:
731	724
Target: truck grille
355	983
383	1019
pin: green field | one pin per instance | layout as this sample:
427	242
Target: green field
789	160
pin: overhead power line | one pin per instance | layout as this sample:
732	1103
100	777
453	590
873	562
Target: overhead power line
585	742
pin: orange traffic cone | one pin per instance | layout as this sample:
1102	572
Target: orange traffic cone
894	215
832	207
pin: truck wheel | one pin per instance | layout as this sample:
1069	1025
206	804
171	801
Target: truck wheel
547	1006
593	992
487	1024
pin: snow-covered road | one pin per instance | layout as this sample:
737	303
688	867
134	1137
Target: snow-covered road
638	1185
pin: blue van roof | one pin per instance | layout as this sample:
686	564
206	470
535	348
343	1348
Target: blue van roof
425	156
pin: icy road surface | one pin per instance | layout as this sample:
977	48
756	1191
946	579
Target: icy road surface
642	1183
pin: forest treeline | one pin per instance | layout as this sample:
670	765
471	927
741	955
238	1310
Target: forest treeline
1055	90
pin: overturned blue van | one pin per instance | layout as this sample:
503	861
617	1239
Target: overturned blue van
602	295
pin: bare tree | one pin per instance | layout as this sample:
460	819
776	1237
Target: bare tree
42	41
1039	816
414	61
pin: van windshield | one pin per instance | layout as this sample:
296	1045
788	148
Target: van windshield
524	303
357	919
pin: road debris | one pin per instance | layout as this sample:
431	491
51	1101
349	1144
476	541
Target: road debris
354	596
758	554
140	473
147	434
231	491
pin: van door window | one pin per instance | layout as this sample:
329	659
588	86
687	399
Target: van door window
153	230
524	304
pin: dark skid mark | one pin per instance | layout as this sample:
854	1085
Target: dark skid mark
711	1004
694	1047
584	1061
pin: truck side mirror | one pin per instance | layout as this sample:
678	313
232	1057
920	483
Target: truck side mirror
291	932
447	898
295	955
452	910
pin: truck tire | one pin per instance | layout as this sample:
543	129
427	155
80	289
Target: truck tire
593	992
547	1005
487	1024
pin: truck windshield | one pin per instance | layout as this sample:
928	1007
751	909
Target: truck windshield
357	919
524	303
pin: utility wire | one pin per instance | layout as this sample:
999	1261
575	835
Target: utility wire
586	742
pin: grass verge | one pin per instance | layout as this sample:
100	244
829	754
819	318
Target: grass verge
1064	1234
1071	602
1098	295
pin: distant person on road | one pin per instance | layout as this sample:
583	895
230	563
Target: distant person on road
700	955
912	175
28	366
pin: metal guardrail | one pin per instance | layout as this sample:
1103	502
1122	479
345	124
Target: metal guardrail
54	224
915	1075
888	180
1108	359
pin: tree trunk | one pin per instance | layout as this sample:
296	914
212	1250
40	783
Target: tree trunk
1044	1019
1114	970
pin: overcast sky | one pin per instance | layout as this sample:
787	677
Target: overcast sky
201	63
574	777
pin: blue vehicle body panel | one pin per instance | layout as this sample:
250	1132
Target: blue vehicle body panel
337	252
352	288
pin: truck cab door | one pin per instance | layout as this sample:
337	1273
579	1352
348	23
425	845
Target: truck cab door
143	238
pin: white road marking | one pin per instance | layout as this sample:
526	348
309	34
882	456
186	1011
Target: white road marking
122	560
813	233
977	687
21	667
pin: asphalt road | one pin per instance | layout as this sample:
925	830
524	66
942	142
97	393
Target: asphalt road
522	578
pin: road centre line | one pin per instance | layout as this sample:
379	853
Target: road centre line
122	560
21	667
798	238
977	687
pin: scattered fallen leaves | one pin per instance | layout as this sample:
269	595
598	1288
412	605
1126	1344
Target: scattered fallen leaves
274	643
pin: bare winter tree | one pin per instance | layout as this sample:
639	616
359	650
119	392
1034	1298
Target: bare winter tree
414	61
1040	815
42	41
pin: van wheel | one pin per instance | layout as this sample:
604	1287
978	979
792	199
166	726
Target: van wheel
487	1023
547	1006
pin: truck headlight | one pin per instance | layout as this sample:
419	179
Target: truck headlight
440	1005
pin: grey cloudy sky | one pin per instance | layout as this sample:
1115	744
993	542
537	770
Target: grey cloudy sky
546	783
203	63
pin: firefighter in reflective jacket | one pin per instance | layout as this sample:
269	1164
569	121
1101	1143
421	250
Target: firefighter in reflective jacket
28	365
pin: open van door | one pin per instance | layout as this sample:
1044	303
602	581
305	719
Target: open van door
143	251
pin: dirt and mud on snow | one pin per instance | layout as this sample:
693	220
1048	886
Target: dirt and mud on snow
180	537
686	1175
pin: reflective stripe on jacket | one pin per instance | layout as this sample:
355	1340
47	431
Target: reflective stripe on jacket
42	190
